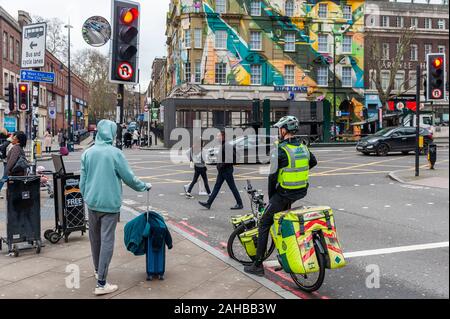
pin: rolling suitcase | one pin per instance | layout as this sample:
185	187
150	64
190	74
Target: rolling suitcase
155	260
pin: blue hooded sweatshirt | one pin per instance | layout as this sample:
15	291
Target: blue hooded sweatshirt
103	168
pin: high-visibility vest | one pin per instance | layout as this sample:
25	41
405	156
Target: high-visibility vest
296	174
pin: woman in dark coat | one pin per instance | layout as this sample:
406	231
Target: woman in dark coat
20	142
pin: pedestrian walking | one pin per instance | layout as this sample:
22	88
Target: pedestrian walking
136	138
61	140
200	169
226	160
16	162
103	168
48	141
288	183
5	147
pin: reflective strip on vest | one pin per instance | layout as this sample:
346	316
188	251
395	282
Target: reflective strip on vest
296	184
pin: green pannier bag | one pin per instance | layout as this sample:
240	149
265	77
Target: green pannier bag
249	240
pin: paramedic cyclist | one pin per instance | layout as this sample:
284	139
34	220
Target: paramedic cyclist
288	182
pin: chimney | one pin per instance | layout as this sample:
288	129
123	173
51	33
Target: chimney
24	18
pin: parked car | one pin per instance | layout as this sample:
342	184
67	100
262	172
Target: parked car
251	149
394	139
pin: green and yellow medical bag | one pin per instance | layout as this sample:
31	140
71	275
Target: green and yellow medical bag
293	236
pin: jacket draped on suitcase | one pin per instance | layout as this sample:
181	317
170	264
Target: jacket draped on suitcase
148	234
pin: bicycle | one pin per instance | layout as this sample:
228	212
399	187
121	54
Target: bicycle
305	282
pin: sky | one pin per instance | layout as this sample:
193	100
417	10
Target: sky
153	24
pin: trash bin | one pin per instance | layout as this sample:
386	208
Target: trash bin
432	155
23	220
38	149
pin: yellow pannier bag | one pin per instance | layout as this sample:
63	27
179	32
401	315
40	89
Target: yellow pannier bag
293	236
249	240
239	220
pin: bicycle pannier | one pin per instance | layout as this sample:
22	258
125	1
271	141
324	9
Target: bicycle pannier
249	240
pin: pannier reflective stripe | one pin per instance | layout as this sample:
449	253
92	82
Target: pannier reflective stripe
293	236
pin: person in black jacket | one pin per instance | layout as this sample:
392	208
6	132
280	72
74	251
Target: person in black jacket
225	162
282	198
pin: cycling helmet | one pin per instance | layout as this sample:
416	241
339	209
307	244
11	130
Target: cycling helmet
290	123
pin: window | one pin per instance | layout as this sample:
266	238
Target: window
323	10
289	8
414	22
428	49
441	49
322	76
221	39
11	49
348	44
187	39
290	42
428	23
385	79
5	45
399	81
347	76
187	72
400	22
5	82
323	43
412	80
256	40
198	39
256	74
348	14
385	21
255	8
17	52
198	71
221	6
386	49
441	24
289	75
221	73
414	52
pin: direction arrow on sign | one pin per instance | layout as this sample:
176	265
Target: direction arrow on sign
37	76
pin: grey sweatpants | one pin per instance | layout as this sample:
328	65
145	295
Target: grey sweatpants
102	231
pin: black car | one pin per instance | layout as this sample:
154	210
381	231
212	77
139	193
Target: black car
394	139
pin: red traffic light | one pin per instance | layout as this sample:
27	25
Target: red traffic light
128	16
438	62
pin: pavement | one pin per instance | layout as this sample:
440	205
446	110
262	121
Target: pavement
192	273
437	178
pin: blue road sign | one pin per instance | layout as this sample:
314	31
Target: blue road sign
37	76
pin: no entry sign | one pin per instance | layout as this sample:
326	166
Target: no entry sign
125	71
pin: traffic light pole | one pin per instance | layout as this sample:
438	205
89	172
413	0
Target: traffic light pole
418	86
119	115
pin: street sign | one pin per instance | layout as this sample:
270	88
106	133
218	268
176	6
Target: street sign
37	76
33	45
125	71
52	112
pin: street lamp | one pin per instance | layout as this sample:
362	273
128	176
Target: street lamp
69	90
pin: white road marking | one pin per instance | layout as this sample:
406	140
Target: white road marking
356	185
377	252
338	186
387	206
129	202
365	207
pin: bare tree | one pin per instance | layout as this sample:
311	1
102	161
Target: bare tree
376	65
93	67
57	41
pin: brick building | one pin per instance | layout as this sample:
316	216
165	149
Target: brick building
159	79
386	21
49	94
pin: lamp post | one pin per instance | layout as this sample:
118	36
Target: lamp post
69	90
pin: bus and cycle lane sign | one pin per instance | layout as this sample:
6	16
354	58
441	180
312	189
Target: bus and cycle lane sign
34	45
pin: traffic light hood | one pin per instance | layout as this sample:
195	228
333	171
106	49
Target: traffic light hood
106	133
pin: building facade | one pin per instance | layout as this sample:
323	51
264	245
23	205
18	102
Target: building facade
50	95
159	79
224	54
386	23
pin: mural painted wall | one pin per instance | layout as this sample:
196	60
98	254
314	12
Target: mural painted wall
343	18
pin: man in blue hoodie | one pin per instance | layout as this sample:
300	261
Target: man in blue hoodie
103	168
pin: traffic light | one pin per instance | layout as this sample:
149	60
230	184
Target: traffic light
9	95
23	97
125	43
436	74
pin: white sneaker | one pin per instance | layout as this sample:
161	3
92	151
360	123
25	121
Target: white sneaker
96	275
189	196
107	289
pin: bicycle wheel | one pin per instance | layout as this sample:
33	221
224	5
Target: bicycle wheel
312	282
238	253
